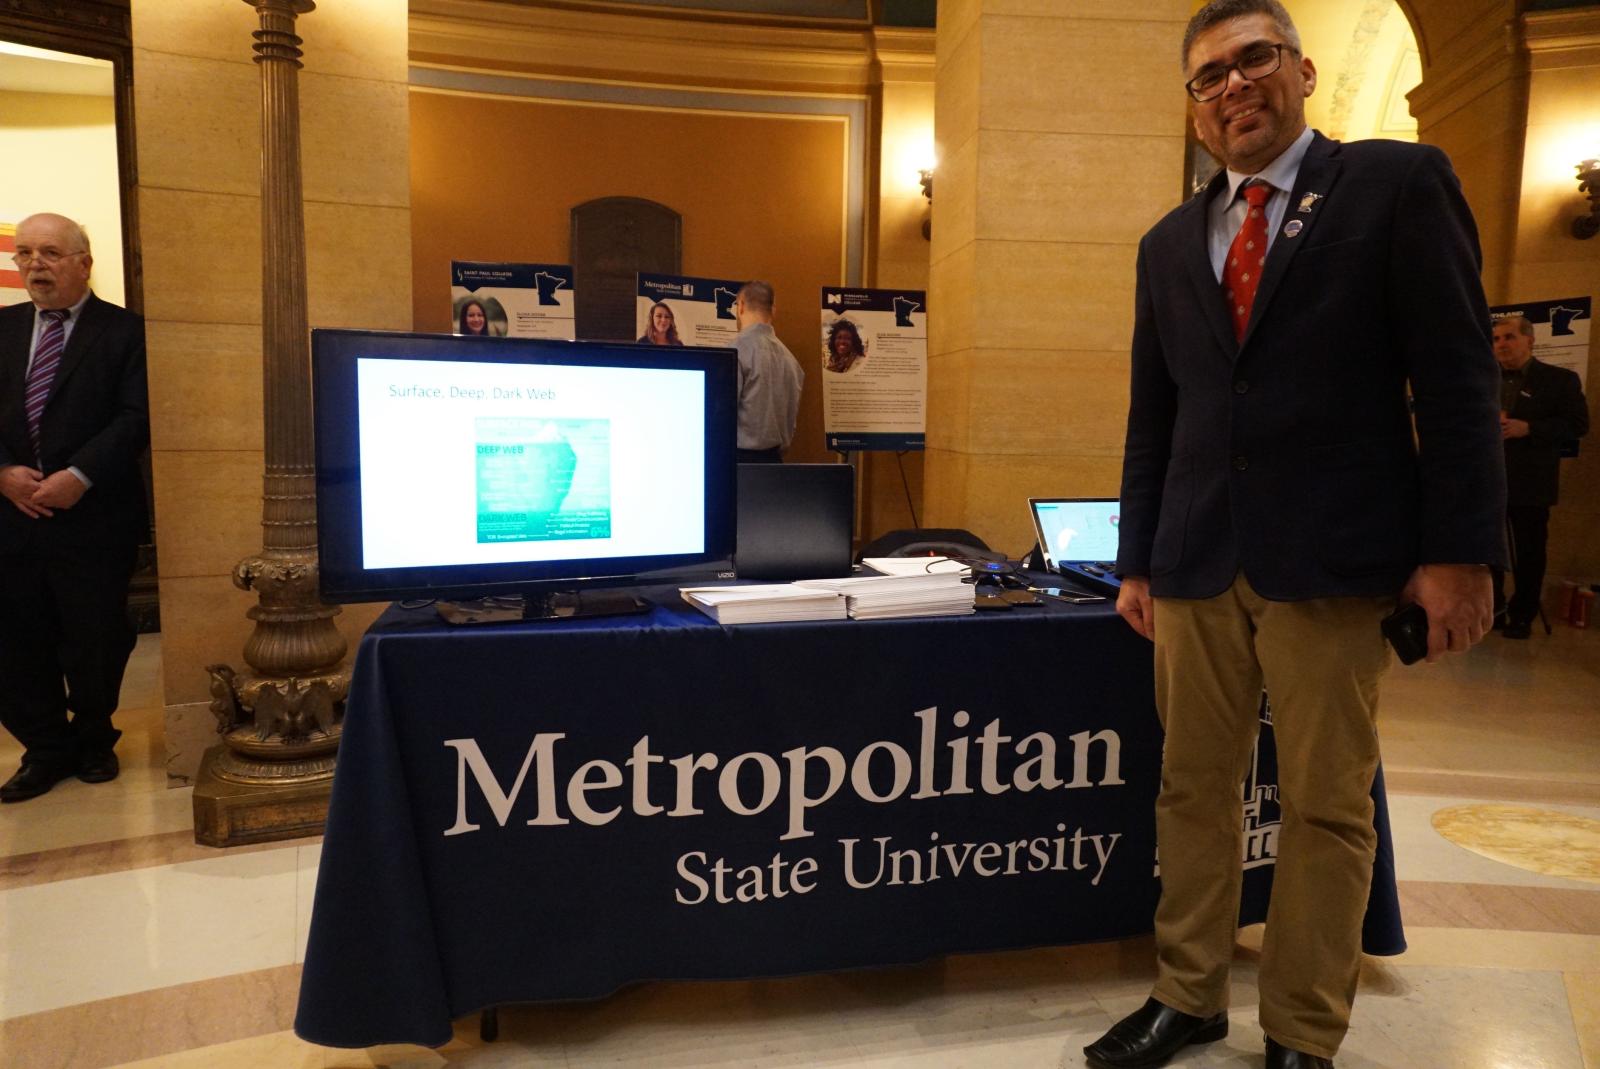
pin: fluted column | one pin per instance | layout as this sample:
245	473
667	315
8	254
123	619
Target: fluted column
288	517
280	720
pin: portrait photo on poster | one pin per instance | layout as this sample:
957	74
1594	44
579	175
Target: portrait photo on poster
479	316
843	347
685	310
661	326
501	299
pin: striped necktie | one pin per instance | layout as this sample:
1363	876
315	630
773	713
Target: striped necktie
46	359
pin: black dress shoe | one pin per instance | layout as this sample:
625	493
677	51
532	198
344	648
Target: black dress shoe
98	767
1151	1035
32	779
1517	629
1281	1057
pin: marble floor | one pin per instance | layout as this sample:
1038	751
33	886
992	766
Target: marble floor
124	944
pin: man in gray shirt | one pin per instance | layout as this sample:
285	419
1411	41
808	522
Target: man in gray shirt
769	380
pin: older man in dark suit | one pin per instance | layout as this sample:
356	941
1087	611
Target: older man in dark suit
73	426
1541	410
1275	507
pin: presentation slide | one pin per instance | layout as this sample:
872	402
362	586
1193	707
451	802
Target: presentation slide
526	469
487	463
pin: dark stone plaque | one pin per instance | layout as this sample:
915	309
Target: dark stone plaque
613	239
67	27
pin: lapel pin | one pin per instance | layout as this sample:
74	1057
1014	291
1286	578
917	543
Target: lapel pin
1308	201
1292	227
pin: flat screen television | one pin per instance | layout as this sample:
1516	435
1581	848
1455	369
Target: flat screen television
455	468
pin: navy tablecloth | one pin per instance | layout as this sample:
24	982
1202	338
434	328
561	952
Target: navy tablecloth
539	811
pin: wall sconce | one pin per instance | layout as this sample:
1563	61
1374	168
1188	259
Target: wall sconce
1587	226
926	175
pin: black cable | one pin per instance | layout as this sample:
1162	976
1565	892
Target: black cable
981	567
1014	578
900	462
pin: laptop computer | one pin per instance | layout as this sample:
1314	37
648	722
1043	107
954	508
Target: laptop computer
795	521
1078	539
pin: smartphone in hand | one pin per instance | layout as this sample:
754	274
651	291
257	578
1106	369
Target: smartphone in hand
1407	631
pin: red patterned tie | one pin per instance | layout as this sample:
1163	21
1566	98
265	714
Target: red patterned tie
46	358
1247	256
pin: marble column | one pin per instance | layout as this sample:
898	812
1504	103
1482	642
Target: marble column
891	486
198	120
1472	103
1060	136
1511	98
1563	128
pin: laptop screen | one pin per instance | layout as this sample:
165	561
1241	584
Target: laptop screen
1077	529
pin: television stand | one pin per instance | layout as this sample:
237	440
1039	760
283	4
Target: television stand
558	605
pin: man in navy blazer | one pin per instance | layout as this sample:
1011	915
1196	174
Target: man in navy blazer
75	512
1276	506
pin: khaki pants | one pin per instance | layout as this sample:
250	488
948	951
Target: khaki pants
1320	662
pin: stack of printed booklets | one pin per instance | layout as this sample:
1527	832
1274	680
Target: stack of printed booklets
888	597
896	587
765	603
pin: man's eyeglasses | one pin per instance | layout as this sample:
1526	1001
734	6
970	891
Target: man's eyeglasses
1257	62
49	257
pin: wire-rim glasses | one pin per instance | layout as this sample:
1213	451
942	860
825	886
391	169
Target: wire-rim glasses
49	257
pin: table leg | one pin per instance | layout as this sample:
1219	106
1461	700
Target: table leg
489	1024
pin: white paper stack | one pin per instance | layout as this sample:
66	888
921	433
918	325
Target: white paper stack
916	565
888	597
765	604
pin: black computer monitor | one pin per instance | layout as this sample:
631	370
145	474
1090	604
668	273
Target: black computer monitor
459	467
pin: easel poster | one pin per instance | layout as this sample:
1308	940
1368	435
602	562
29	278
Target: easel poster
680	310
1560	331
874	350
511	300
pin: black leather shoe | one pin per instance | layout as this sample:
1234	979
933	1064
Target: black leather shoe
1281	1057
1516	629
98	767
32	780
1151	1035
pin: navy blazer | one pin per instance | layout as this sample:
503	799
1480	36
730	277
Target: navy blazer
1551	402
96	419
1290	456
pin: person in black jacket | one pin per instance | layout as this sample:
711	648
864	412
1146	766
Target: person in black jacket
1541	409
74	424
1275	507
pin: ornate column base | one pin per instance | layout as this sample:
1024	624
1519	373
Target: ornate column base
273	774
280	720
236	814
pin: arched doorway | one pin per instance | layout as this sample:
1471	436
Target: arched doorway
66	100
1367	62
